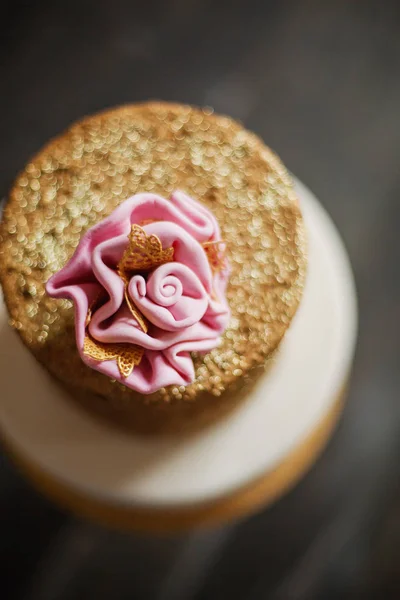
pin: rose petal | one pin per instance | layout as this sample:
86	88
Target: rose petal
186	249
173	297
204	226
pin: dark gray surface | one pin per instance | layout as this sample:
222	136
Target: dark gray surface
319	81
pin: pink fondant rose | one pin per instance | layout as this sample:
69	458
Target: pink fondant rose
148	284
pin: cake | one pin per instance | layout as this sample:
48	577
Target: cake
168	195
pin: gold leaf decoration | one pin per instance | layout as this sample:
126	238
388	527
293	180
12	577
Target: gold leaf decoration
127	355
94	305
141	319
143	253
216	255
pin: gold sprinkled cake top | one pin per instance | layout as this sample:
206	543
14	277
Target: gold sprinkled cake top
81	176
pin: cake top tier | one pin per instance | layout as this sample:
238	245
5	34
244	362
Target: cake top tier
79	178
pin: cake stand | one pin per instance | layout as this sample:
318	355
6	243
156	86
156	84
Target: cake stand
226	471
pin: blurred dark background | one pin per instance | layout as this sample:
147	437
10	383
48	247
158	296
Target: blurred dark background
320	82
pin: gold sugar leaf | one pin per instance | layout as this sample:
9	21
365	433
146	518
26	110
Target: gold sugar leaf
141	320
135	312
143	253
128	359
94	305
89	316
127	355
216	254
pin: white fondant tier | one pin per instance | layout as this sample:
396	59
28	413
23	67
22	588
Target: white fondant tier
44	427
